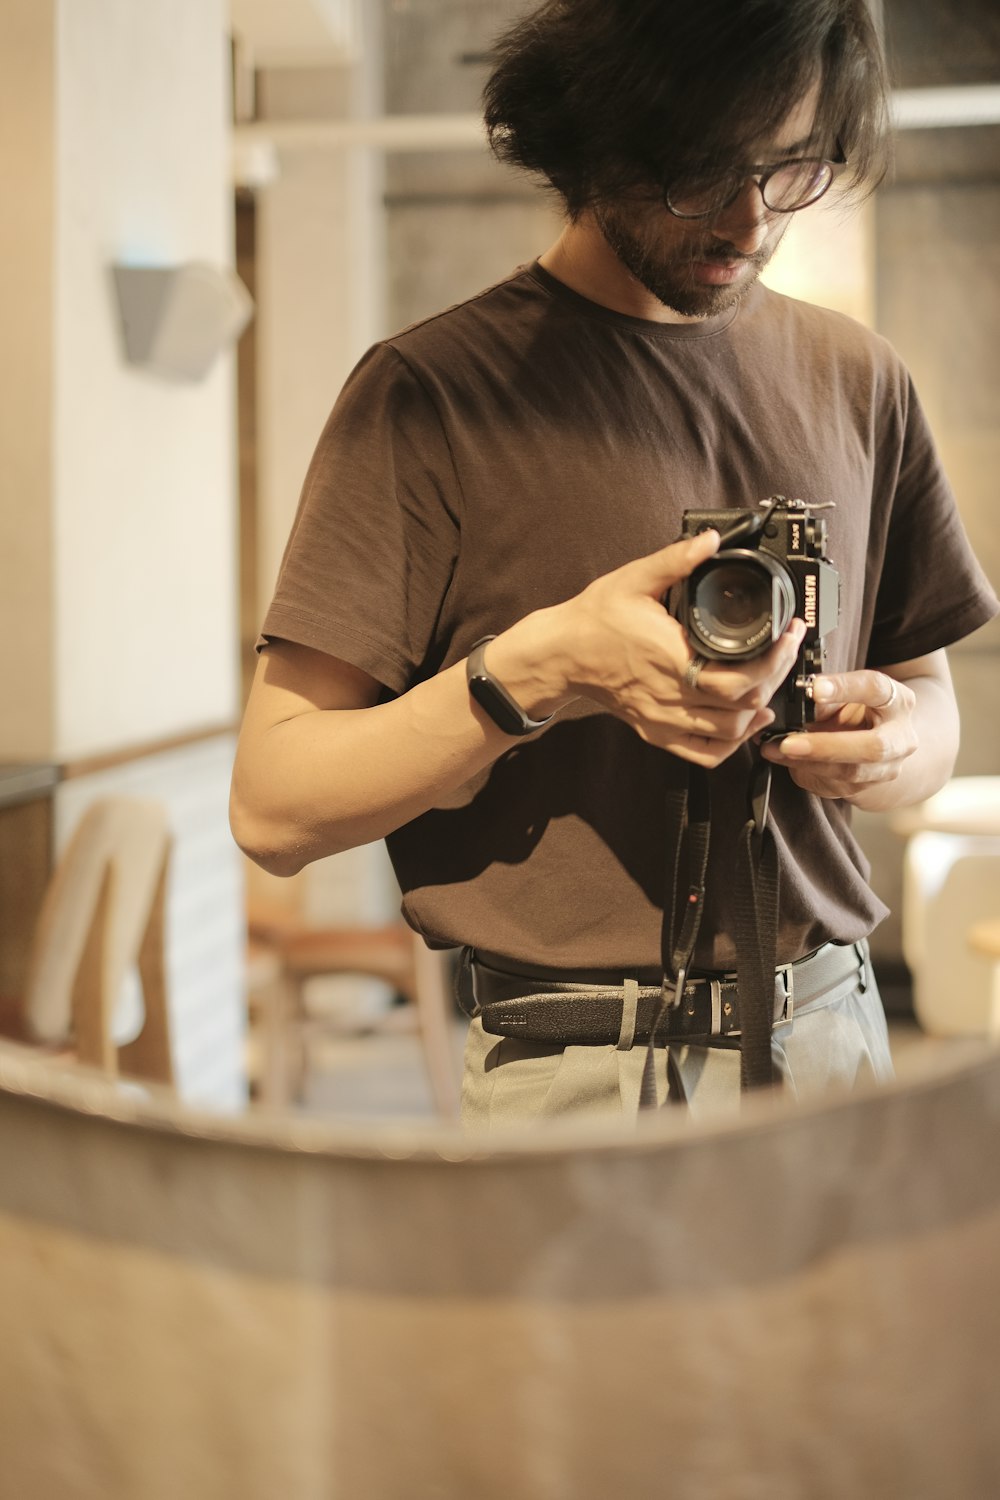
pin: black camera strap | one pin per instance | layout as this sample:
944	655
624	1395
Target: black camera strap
689	810
757	932
688	806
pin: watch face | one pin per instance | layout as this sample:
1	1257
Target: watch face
498	705
493	697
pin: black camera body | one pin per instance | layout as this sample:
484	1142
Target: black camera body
771	566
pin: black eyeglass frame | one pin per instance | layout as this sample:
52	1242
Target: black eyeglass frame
762	175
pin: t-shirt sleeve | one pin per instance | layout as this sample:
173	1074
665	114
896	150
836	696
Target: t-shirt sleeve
932	591
374	542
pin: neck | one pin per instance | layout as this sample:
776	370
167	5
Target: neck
582	259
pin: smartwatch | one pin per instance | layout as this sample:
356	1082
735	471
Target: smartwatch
494	698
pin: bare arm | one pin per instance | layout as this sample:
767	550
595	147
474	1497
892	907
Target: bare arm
322	765
876	747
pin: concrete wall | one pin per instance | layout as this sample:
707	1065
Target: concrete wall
455	221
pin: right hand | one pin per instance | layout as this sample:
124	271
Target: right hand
615	644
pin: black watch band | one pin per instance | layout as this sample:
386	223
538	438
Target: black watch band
494	698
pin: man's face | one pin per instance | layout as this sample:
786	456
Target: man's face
702	267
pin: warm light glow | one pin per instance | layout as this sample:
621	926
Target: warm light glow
826	257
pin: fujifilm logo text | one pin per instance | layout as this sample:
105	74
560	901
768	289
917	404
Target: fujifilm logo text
809	612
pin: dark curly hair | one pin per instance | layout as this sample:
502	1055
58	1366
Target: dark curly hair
603	96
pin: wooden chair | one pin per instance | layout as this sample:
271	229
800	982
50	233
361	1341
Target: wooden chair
102	915
302	951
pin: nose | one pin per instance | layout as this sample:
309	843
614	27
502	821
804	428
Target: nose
745	222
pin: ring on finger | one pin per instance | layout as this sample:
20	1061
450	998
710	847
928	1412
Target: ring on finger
693	670
892	695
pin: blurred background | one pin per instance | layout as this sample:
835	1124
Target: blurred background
325	157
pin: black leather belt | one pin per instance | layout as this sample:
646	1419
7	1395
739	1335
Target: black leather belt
605	1007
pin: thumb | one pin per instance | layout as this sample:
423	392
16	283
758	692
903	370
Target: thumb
657	572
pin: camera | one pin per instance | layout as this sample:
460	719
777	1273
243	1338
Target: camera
771	566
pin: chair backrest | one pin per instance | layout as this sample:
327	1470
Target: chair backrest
102	916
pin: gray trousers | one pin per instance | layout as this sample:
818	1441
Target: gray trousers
834	1042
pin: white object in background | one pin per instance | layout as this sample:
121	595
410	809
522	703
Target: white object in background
177	319
256	163
984	938
298	33
951	879
206	913
934	109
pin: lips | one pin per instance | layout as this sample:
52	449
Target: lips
719	272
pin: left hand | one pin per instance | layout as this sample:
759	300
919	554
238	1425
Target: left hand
863	735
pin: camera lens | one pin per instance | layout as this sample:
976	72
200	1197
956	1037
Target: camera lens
735	598
740	601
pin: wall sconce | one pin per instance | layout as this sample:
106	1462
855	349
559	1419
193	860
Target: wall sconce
177	319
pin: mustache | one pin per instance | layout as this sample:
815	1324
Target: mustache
728	255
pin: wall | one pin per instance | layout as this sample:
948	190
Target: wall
456	221
27	169
120	579
117	523
320	274
144	477
320	277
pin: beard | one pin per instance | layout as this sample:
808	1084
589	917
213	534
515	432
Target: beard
669	275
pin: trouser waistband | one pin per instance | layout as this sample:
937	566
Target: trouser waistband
606	1007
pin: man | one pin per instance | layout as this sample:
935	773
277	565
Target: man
515	470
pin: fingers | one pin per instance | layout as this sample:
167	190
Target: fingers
752	684
864	736
707	750
660	570
840	765
729	727
843	782
865	721
726	705
623	650
875	690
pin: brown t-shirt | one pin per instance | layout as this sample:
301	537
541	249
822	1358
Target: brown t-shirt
497	458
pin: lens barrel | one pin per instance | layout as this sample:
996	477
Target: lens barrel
739	603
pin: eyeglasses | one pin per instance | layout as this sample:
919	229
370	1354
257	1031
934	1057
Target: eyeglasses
785	186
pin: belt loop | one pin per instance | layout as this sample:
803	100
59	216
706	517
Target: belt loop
630	1011
861	949
715	990
465	984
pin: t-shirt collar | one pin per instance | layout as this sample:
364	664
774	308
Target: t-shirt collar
704	328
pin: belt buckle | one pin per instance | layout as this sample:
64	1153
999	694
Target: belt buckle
685	987
787	977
